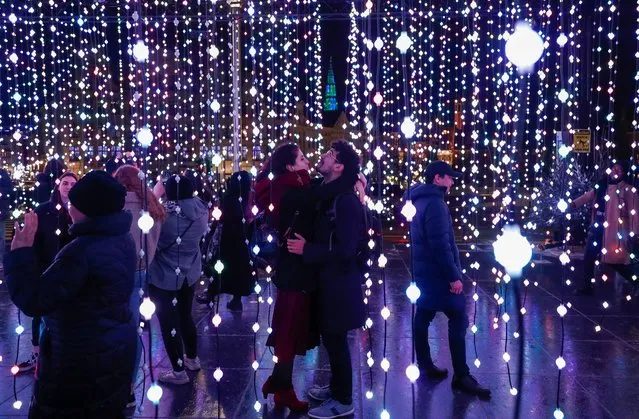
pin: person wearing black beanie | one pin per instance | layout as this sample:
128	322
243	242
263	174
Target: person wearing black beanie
88	349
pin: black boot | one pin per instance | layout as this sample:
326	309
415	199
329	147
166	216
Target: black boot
235	304
468	384
434	372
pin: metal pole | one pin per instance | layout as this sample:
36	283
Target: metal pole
236	67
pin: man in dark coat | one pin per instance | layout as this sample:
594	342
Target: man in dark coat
87	348
438	274
338	233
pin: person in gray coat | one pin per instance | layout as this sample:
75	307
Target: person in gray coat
175	269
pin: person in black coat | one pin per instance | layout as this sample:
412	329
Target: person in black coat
87	348
238	276
438	275
45	181
339	230
52	235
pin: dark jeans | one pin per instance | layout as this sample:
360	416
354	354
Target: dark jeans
592	252
35	331
339	356
176	318
457	324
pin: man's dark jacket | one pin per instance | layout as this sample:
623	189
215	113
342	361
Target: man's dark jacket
334	251
435	258
87	348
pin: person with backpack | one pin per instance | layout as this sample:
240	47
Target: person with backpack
172	275
438	274
333	253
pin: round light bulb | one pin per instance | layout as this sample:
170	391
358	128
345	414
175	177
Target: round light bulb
218	374
524	47
512	250
147	308
140	51
408	128
144	137
154	393
412	372
145	222
403	42
413	293
409	211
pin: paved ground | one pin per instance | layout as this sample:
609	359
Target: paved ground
601	378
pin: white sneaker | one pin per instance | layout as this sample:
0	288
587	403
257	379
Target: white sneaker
174	377
192	364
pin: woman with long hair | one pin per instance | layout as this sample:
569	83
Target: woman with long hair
139	197
51	236
175	269
46	181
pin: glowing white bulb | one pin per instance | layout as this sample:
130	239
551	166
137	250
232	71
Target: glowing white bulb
558	414
19	329
403	42
408	127
217	213
218	374
512	250
219	266
13	18
140	51
564	258
564	150
13	57
216	160
15	369
144	137
378	99
563	95
255	365
17	404
384	414
409	211
477	363
513	391
215	106
413	293
145	222
560	362
147	308
524	47
378	153
369	394
217	320
385	364
562	310
381	261
17	97
412	372
256	327
506	357
154	393
385	313
562	40
214	52
256	249
562	205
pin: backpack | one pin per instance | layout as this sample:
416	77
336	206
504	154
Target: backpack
372	234
210	247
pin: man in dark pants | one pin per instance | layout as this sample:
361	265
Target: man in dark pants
438	274
339	231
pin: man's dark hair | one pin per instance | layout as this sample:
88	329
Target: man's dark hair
347	156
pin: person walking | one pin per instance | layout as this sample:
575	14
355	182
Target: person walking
141	203
438	274
52	235
87	348
176	267
615	213
333	252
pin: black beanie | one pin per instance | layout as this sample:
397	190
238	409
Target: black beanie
177	191
97	194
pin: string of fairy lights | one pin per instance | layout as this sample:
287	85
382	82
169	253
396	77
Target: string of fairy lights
425	82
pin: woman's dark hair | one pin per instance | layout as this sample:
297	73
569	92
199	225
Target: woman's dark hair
283	155
55	168
347	156
177	192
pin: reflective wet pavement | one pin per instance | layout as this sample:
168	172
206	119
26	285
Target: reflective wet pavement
600	380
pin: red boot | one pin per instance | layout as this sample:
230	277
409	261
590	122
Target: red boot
288	398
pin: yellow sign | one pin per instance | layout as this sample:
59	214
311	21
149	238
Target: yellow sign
581	141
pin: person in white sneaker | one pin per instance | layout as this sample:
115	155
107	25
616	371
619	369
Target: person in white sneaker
176	267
